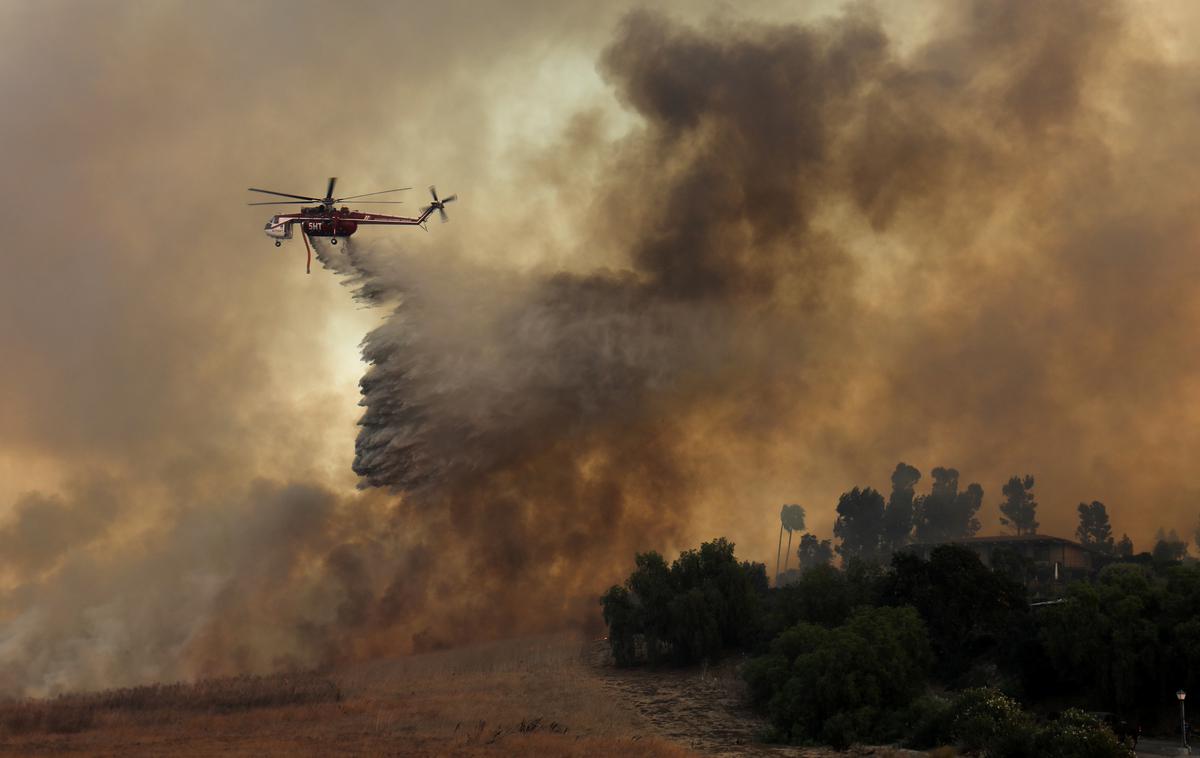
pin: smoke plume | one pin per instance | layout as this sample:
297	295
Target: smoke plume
772	260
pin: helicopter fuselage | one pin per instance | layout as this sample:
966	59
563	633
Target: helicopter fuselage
326	220
316	222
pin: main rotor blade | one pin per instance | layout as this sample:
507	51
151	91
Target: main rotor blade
283	202
369	194
381	202
282	194
329	189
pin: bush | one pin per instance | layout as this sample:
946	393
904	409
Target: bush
974	615
705	603
1075	734
987	721
927	722
842	685
982	716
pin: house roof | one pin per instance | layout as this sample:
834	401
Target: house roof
1008	539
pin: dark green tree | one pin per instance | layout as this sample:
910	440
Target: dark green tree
791	518
653	587
1094	531
1168	547
838	685
946	513
703	604
1019	509
969	609
1106	641
1124	548
859	524
793	521
821	595
898	516
814	552
621	617
779	546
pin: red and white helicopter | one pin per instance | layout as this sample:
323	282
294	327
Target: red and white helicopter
324	220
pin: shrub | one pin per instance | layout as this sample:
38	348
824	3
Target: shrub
1075	734
842	685
705	603
927	722
982	716
987	721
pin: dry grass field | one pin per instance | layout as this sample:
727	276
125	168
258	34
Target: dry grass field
546	696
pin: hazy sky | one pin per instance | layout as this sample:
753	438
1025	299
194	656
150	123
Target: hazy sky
960	236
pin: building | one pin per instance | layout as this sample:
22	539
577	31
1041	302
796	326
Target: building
1049	558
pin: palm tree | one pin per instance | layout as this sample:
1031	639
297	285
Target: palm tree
792	519
783	520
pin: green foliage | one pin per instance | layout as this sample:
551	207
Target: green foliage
927	721
840	685
621	618
1168	547
1104	640
1124	548
821	595
792	517
1094	531
973	613
982	717
814	552
946	513
703	604
898	515
1075	734
859	524
1019	509
986	721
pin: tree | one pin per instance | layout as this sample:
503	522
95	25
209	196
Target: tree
1125	547
859	524
1094	530
969	609
898	516
791	517
945	513
704	603
1106	639
779	547
620	615
1019	509
814	552
838	685
1168	547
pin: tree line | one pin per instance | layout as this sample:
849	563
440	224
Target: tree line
872	528
926	652
864	641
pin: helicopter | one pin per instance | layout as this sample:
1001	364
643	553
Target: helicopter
326	220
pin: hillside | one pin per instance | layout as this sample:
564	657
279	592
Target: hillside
536	696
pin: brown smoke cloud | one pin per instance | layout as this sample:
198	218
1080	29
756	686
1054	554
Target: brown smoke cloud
795	253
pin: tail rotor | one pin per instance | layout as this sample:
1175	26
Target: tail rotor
440	204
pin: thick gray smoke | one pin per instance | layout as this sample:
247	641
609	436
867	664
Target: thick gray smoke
815	252
552	423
